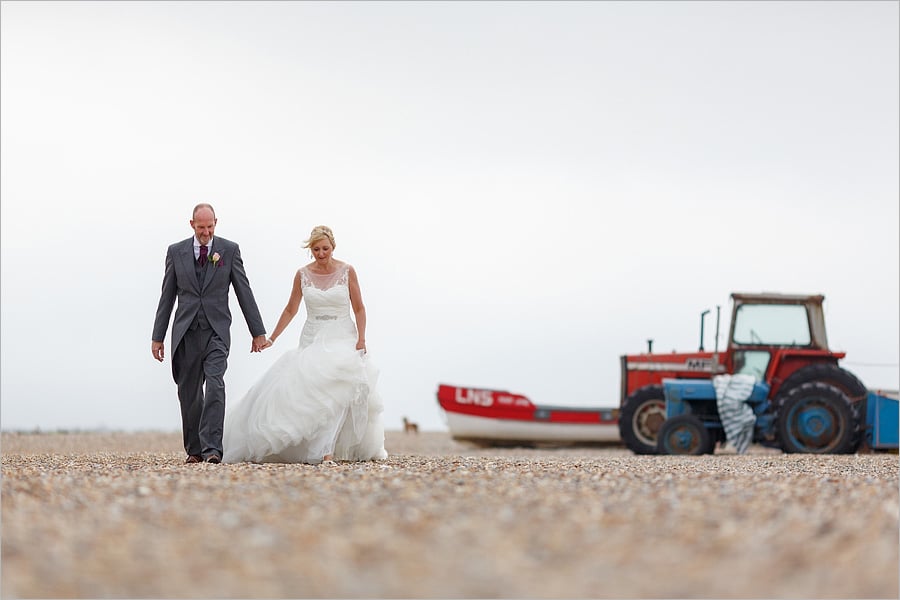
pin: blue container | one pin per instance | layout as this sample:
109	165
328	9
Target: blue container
882	421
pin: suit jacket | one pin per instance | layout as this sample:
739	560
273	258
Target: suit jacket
180	281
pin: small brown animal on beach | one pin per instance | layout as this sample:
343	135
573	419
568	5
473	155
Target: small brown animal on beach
409	426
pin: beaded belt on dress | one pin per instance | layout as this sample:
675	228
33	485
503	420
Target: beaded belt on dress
325	317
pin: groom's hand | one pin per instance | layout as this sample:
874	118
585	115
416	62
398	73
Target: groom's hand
158	349
259	342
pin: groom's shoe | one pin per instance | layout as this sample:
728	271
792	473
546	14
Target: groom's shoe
193	458
214	458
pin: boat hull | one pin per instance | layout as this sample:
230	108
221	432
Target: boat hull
492	415
474	428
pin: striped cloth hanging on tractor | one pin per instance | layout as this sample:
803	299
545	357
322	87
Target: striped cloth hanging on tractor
737	417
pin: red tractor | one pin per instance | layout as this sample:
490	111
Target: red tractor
779	338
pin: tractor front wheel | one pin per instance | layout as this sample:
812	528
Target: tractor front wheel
642	414
685	434
817	418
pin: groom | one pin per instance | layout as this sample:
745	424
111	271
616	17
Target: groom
199	272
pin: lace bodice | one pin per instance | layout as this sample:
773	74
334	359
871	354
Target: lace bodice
327	296
326	281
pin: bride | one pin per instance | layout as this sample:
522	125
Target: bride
317	402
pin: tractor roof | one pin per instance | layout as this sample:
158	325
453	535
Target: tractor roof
778	298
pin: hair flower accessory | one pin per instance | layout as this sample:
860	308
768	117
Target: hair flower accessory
215	259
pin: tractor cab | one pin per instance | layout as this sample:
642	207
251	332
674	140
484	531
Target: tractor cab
772	336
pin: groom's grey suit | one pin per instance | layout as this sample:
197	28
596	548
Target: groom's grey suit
201	334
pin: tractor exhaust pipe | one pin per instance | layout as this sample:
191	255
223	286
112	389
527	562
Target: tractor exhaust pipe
702	318
718	315
715	357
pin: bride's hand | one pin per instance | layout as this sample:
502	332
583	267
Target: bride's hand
361	345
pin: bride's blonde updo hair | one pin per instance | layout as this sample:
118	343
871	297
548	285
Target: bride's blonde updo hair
320	232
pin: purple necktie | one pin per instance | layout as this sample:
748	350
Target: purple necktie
203	252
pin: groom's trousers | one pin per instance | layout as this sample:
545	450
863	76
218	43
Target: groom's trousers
198	366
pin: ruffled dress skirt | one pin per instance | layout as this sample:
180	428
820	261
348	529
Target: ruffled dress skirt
315	400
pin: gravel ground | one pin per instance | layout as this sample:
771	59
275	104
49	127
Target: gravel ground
119	515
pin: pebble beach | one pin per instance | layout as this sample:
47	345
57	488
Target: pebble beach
118	515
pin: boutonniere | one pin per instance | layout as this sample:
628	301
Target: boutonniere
215	259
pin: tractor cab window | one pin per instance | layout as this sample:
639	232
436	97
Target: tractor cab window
771	325
751	362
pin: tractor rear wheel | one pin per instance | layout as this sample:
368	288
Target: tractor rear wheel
816	418
640	418
685	434
827	373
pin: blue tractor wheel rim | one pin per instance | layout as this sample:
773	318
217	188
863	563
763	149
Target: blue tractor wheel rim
814	424
684	439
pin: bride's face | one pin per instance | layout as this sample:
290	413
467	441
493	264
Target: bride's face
322	250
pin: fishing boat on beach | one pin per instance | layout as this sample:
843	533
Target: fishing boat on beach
493	416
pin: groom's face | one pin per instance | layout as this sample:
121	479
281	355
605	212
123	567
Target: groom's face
204	225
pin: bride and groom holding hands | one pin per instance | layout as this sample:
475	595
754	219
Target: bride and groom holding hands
318	402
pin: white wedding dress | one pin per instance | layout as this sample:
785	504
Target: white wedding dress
317	399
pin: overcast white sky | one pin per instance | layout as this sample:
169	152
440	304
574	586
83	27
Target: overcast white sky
527	190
